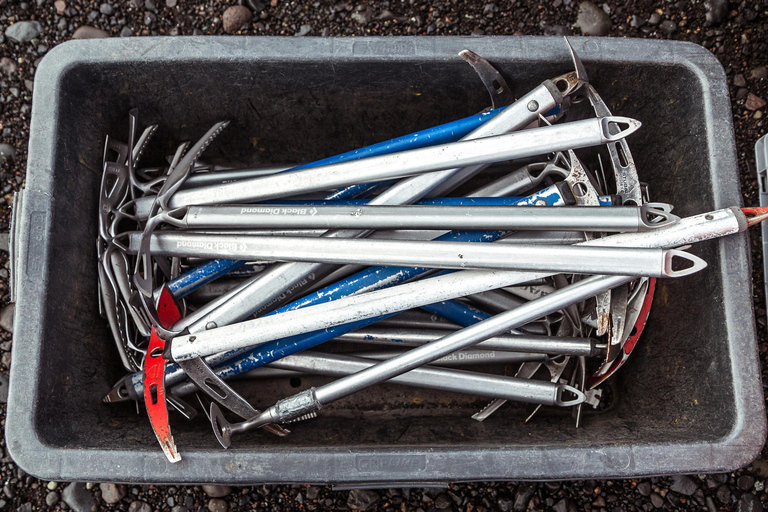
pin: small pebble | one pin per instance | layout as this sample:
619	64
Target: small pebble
77	497
723	494
523	495
235	18
7	152
759	73
655	19
760	466
52	486
668	26
363	15
217	491
6	317
657	501
171	3
217	505
749	503
139	506
61	7
443	502
3	388
112	493
86	32
23	31
362	499
717	11
637	21
561	506
106	9
490	9
51	498
592	20
739	81
8	66
753	102
684	485
745	482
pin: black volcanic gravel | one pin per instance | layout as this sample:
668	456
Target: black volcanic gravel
736	32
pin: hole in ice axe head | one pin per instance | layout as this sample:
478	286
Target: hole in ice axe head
568	396
657	215
626	126
679	263
221	427
497	87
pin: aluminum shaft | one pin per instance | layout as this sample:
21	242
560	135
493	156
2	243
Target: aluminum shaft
456	381
571	259
692	229
505	218
540	141
315	398
252	295
461	357
261	290
202	179
514	343
255	293
358	307
455	360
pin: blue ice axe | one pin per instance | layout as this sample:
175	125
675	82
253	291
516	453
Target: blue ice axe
448	132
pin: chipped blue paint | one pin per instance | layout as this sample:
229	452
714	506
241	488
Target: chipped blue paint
201	275
457	312
372	278
549	198
448	132
207	272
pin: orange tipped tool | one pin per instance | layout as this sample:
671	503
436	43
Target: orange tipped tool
755	215
154	378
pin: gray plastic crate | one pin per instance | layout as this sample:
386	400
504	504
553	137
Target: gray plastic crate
761	161
690	400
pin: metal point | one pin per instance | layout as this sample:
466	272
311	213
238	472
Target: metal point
581	72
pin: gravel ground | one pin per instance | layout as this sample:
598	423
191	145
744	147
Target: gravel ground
737	33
